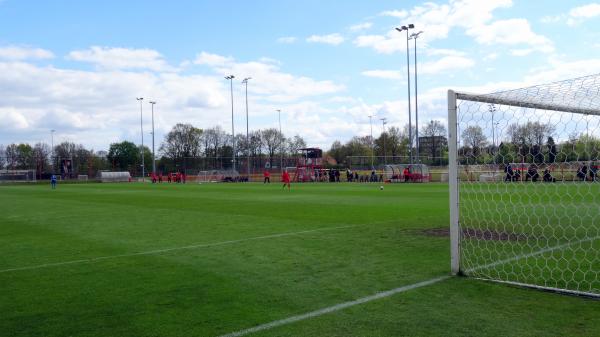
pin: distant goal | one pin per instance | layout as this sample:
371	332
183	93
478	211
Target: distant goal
524	190
10	176
219	176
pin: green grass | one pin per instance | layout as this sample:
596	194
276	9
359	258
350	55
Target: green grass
356	241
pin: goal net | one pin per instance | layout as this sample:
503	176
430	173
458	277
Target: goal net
114	177
524	191
218	176
7	176
406	173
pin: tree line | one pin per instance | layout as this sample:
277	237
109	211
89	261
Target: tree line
185	144
395	143
183	141
531	142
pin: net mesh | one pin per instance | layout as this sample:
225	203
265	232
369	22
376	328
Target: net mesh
529	195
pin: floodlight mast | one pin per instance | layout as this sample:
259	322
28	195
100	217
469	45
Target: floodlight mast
52	155
410	139
414	36
230	78
153	156
280	140
384	122
140	99
245	81
371	141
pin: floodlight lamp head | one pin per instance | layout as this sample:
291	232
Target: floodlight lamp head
152	102
140	98
411	26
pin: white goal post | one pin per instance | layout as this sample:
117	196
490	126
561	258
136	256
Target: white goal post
524	191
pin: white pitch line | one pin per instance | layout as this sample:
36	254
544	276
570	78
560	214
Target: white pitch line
336	307
159	251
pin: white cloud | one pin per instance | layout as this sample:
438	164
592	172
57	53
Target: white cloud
13	119
96	107
121	58
385	74
269	81
395	13
361	26
332	39
445	52
582	13
551	18
446	64
521	52
475	17
209	59
520	33
287	39
490	57
382	44
15	53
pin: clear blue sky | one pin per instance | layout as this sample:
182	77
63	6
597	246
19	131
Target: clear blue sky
77	66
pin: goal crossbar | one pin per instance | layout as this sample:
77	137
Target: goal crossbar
496	99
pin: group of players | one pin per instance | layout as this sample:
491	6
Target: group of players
178	177
285	178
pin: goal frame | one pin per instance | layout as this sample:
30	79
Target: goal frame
453	177
27	173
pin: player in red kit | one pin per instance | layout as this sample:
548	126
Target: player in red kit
285	177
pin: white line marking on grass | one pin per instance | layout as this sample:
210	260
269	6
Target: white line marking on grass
159	251
336	307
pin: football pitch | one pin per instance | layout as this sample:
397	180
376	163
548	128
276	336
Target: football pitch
252	259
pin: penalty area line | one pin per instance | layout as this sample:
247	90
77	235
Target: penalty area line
337	307
166	250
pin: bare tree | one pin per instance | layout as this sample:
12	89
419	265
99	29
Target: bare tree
184	140
474	138
530	133
294	144
435	130
241	145
273	142
41	153
255	143
215	138
2	157
396	141
12	154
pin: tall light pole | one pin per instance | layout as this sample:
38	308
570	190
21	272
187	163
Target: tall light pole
230	78
492	110
153	156
384	122
245	81
140	99
410	139
52	144
371	141
414	36
280	139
